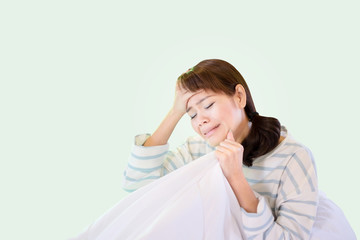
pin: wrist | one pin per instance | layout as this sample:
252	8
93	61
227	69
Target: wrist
176	113
236	178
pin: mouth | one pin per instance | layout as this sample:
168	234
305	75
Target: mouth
211	131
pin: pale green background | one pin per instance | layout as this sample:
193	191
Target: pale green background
80	78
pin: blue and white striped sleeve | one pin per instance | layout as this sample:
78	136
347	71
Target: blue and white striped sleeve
147	164
295	206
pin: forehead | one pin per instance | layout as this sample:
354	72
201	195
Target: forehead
197	96
201	95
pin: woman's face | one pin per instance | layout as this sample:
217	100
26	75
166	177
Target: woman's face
214	114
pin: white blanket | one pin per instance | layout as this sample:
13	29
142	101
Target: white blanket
331	222
194	202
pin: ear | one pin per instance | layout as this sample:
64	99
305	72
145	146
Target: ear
240	96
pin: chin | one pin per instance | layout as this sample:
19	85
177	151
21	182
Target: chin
214	141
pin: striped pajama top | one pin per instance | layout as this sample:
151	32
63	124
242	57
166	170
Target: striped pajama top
284	180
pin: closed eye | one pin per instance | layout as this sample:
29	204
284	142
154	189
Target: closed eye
206	107
209	106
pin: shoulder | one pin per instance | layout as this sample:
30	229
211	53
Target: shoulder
297	149
299	158
286	152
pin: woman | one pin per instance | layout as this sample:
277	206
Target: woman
272	176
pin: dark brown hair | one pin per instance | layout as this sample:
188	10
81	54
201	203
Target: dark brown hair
221	77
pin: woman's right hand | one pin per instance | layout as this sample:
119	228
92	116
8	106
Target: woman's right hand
167	126
181	98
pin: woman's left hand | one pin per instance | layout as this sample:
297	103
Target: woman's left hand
230	156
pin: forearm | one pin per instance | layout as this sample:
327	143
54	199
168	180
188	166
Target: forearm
165	129
138	172
244	194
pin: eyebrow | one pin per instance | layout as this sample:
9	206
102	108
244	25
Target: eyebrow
200	101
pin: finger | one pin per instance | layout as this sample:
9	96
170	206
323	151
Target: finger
230	144
230	136
231	150
224	150
221	156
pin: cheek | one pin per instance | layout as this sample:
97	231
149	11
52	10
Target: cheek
194	126
222	114
215	113
228	117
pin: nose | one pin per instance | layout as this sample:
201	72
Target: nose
203	120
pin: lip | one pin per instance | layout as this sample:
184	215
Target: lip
208	133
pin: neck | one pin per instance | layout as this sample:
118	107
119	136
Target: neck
243	131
